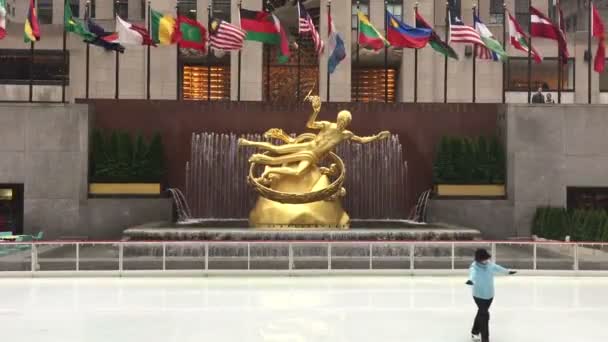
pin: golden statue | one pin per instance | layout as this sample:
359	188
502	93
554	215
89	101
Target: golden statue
295	190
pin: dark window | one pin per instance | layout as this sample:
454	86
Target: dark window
396	8
93	7
122	9
11	208
543	75
522	13
454	8
187	8
45	11
496	11
75	7
48	67
221	9
587	198
363	7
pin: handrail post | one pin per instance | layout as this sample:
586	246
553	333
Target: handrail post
33	261
120	256
576	257
493	246
412	246
248	255
453	254
329	256
534	261
206	256
77	256
371	256
290	257
164	256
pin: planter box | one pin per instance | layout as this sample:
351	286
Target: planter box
114	189
489	190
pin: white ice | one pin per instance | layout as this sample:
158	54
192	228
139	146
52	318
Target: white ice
285	309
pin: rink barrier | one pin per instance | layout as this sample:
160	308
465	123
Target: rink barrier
565	258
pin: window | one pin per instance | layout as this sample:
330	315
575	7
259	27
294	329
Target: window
455	9
92	4
48	67
122	8
196	77
371	86
396	8
587	198
187	8
11	208
603	79
221	9
75	7
45	11
544	75
522	13
496	11
363	7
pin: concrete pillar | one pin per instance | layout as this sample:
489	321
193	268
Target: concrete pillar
201	11
104	9
376	14
340	79
136	11
251	61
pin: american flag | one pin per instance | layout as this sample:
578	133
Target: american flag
225	36
306	25
461	33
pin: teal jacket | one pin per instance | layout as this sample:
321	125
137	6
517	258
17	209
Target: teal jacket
482	276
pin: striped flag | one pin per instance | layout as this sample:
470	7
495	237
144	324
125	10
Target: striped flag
31	31
225	36
461	33
306	25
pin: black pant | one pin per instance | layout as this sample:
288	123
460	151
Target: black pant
482	319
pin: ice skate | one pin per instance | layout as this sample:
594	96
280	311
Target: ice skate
475	337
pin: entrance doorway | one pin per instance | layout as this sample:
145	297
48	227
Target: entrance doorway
11	208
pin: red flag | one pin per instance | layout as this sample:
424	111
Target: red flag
541	26
597	29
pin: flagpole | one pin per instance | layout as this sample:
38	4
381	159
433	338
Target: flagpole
87	67
559	55
385	54
31	85
474	54
504	44
117	64
65	62
357	61
238	91
590	27
415	61
529	52
298	42
149	54
445	59
267	48
209	54
328	52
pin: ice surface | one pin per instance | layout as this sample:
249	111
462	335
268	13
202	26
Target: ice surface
285	309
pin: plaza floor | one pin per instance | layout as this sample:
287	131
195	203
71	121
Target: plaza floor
353	309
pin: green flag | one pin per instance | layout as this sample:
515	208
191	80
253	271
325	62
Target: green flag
74	25
489	40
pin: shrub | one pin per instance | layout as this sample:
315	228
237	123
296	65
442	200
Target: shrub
581	225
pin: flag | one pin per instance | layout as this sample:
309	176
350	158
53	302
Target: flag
32	28
131	34
401	35
541	26
106	40
266	28
519	40
597	29
563	46
2	19
306	25
225	36
335	44
163	28
461	33
493	49
74	25
192	34
369	37
436	43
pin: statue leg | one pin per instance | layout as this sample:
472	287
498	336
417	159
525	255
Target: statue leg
265	159
278	149
286	170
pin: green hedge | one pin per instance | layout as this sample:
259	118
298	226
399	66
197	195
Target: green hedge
117	157
461	160
581	225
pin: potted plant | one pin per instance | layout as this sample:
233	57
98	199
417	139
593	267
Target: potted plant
469	167
123	166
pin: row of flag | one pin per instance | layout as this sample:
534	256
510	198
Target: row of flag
265	27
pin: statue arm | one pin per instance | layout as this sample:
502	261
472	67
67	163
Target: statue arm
365	140
316	108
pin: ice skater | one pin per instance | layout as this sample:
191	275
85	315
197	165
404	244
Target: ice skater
481	277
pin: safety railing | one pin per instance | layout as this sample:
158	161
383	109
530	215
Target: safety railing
122	257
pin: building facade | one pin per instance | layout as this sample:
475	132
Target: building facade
362	76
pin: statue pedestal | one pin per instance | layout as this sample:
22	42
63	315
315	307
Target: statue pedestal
321	214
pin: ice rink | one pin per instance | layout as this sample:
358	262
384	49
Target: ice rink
353	309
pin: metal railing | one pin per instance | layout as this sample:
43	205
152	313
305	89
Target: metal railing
206	257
